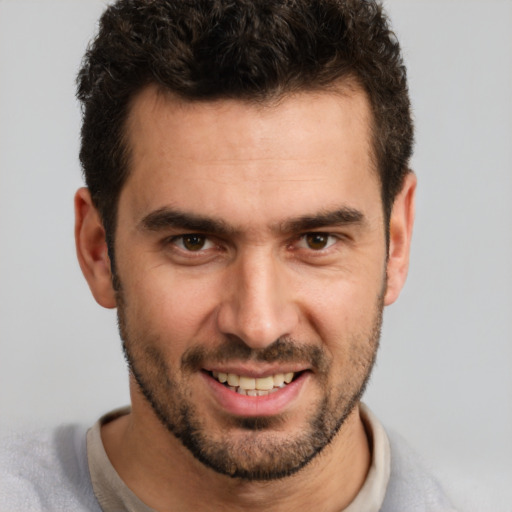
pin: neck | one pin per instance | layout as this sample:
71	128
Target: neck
163	474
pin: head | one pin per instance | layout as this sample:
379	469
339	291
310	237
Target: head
257	51
247	167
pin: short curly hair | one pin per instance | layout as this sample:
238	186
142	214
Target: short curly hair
254	50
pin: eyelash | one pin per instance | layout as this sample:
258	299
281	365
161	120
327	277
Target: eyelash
179	241
315	234
181	238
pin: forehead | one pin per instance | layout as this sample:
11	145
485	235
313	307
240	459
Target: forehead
305	150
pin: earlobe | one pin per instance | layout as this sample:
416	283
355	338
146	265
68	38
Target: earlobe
400	234
91	249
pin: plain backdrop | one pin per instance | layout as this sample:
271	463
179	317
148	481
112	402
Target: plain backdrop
443	377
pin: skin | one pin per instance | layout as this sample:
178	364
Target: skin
257	171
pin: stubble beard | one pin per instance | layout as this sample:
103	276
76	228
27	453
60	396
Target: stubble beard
262	449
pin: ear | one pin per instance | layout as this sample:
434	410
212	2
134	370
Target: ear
400	234
91	249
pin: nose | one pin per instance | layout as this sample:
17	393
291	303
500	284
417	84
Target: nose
258	306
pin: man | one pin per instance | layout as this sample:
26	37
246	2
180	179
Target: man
248	211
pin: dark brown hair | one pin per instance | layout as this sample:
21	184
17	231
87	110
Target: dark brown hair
255	50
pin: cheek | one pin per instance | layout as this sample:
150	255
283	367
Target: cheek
345	304
170	307
346	316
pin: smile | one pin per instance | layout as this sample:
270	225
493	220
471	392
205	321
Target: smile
243	393
251	386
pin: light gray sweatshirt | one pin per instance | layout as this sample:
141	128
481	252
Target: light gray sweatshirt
48	472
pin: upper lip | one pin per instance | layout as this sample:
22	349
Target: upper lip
255	372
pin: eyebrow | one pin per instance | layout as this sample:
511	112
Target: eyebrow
169	218
166	218
341	217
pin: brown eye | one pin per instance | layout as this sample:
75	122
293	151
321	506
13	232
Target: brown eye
193	242
317	241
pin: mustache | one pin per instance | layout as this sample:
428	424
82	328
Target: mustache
283	350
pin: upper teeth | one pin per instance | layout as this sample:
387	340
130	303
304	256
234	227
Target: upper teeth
251	383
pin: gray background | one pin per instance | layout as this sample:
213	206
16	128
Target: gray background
443	377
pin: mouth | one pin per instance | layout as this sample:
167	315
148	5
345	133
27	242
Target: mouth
254	386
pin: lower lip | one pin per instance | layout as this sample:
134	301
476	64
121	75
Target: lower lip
252	406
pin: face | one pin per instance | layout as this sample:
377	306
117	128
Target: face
251	257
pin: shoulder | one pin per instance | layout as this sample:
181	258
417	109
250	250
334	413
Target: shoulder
411	485
46	470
